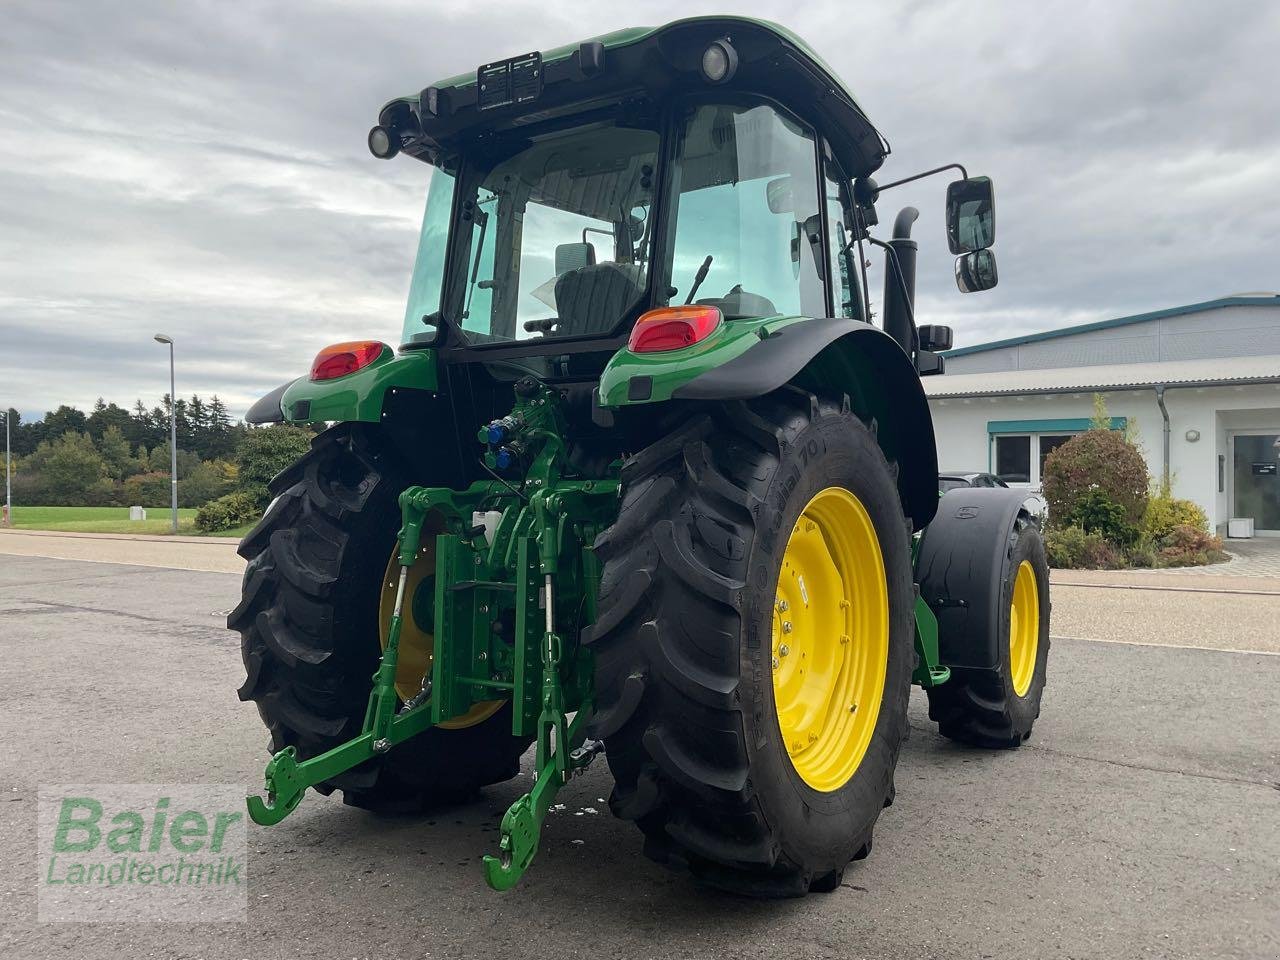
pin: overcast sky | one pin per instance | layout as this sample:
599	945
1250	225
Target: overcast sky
200	168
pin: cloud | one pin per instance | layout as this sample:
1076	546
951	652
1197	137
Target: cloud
200	168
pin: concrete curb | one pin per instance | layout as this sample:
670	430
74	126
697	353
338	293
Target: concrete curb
144	537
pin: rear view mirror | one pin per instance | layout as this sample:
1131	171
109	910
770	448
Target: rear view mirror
971	215
780	195
934	337
976	271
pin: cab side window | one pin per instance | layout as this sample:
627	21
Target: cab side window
845	293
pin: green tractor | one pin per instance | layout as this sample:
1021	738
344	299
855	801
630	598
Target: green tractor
642	479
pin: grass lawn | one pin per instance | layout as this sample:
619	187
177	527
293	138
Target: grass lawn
109	520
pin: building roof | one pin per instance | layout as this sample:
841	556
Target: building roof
1239	300
1221	371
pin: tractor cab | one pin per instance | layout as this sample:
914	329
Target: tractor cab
713	163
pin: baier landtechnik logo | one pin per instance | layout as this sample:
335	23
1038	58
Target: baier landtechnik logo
130	852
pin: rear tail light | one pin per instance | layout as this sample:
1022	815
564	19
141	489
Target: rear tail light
339	359
670	328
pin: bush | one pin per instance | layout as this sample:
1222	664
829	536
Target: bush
1071	548
264	452
68	470
1166	512
1143	554
147	489
1188	546
1096	513
204	483
1100	460
233	510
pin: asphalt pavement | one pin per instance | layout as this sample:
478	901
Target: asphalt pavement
1141	820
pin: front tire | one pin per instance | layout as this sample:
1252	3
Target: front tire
309	626
996	707
688	629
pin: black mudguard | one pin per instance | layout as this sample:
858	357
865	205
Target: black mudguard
843	356
962	565
269	409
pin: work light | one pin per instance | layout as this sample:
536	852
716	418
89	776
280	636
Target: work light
383	143
719	62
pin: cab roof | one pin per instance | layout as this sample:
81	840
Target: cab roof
642	64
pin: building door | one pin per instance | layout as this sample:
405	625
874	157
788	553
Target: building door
1255	489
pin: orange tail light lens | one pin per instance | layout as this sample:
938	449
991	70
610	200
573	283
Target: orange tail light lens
670	328
339	359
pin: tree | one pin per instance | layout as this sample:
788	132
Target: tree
222	436
158	460
116	453
265	451
143	429
198	426
70	470
105	416
204	483
64	420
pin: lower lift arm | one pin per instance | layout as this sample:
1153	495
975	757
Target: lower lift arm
562	749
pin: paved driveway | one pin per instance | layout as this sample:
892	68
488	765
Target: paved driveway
1141	820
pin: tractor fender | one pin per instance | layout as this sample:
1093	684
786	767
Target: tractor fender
962	566
361	396
842	356
270	408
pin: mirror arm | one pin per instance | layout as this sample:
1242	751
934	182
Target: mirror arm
880	188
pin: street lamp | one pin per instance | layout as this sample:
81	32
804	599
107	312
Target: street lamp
173	432
8	493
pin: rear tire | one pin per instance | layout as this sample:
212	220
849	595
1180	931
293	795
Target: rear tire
983	707
308	621
684	678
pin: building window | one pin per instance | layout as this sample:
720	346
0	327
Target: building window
1013	459
1013	443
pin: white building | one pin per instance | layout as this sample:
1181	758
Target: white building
1201	381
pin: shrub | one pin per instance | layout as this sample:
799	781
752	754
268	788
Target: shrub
204	483
1142	553
1165	512
1096	513
68	470
264	452
1064	545
1099	460
1188	546
1071	548
149	489
233	510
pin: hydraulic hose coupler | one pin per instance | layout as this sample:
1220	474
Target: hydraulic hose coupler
497	432
508	456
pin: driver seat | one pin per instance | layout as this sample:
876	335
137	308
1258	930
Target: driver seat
593	298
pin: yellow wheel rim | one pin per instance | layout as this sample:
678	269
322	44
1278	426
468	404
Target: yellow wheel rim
417	644
830	639
1024	628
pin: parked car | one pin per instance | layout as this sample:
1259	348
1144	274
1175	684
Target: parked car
950	480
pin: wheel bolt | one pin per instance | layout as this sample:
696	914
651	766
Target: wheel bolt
784	650
786	626
783	606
